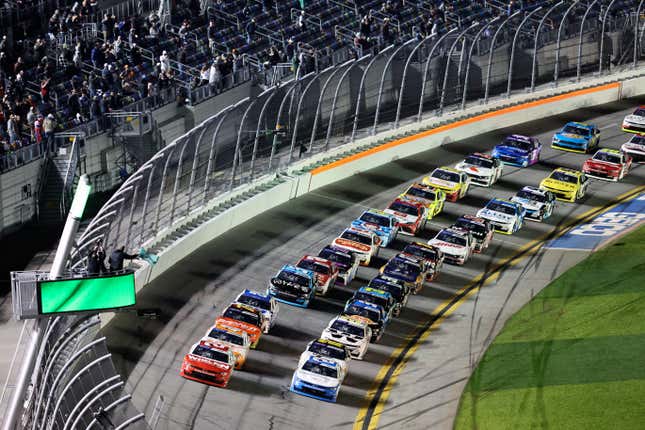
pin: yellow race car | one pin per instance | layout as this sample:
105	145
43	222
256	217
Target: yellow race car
451	181
566	184
432	198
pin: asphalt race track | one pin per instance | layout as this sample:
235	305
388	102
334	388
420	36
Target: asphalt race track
149	352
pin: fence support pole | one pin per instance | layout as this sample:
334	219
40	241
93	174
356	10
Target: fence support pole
636	32
556	72
535	42
333	103
425	71
489	66
582	28
256	141
470	56
602	35
447	68
404	78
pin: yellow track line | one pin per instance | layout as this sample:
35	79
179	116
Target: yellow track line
376	398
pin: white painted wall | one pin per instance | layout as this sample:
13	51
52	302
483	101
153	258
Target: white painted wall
18	196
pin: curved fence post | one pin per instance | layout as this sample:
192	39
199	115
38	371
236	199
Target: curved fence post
278	125
470	55
447	68
582	28
556	72
425	71
405	75
517	33
537	37
257	130
637	32
602	34
175	188
161	188
382	83
361	87
333	104
489	66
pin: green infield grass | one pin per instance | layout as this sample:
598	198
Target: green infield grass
573	357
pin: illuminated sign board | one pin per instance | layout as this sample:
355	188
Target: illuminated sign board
86	294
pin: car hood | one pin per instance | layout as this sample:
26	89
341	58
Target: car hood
378	229
604	165
249	328
474	170
528	204
558	185
440	183
494	215
207	364
351	245
342	337
448	247
402	217
571	137
633	147
305	356
635	119
314	378
400	276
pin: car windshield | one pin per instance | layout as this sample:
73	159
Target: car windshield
470	226
355	237
639	112
371	298
375	219
406	209
428	254
638	140
319	369
479	161
293	277
226	336
517	142
256	303
372	314
451	238
242	315
445	175
608	157
564	177
330	255
499	207
213	354
575	130
347	328
401	267
314	267
422	193
328	350
531	196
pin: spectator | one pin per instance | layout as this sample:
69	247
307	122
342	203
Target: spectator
49	128
250	30
302	23
366	25
211	33
96	259
164	62
385	33
117	258
12	130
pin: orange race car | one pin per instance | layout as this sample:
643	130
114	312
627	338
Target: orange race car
245	318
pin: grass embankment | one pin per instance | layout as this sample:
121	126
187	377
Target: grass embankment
573	357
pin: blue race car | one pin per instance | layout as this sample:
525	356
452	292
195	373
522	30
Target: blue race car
409	269
381	223
262	302
505	216
518	150
576	137
539	204
397	289
378	297
318	378
293	285
375	315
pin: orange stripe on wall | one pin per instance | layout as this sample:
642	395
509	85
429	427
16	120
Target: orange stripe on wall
466	121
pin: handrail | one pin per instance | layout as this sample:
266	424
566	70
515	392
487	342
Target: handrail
345	4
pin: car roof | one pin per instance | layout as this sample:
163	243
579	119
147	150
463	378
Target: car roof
472	218
328	342
322	361
378	212
579	124
502	202
480	155
297	270
363	304
454	230
609	151
232	330
407	201
359	231
520	137
244	307
255	295
532	189
447	168
316	259
566	170
374	291
212	344
350	319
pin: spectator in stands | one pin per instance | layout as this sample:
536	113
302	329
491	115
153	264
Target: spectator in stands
267	5
96	259
117	258
49	128
385	35
366	25
164	62
211	34
12	130
302	23
290	50
251	27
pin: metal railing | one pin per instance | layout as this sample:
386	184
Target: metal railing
18	157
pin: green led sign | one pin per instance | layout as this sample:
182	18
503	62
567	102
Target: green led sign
86	294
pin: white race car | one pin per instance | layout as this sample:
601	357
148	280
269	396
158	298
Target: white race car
539	204
318	378
507	217
327	349
262	302
635	148
457	245
351	332
635	123
364	244
482	169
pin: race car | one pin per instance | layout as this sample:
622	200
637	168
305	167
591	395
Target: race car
381	223
635	122
326	272
262	302
451	181
566	184
456	245
397	289
375	316
635	148
346	263
480	228
245	318
482	169
407	268
538	203
607	165
377	297
518	150
210	363
329	350
318	378
237	340
355	334
432	256
432	198
293	286
576	137
364	244
505	216
410	215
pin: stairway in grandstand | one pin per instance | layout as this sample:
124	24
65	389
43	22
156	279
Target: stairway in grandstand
52	188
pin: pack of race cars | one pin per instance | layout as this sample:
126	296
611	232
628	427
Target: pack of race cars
324	364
